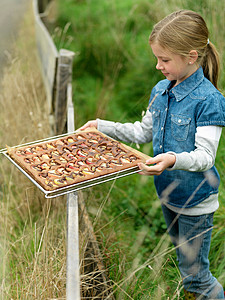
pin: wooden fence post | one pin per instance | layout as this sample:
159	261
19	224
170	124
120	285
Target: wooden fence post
63	78
73	262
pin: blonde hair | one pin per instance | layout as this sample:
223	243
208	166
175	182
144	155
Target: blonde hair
183	31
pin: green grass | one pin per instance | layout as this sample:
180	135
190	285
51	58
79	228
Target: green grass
113	74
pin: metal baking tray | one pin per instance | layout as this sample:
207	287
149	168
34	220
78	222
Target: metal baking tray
73	187
77	186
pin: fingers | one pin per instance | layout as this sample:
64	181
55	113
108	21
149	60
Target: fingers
151	160
148	170
85	126
155	168
92	123
157	164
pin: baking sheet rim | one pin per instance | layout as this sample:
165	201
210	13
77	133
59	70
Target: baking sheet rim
76	186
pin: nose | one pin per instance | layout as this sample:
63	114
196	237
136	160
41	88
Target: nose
159	66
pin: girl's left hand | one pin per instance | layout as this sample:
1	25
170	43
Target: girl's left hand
158	164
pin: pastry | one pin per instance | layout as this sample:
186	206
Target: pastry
74	158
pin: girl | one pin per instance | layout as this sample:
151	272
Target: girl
184	121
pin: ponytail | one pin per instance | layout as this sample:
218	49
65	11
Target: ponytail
211	64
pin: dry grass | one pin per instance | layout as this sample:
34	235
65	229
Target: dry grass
32	229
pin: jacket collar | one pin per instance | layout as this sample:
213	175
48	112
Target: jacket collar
187	86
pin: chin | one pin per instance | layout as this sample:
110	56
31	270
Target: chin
170	78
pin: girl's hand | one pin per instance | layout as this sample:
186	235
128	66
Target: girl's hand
158	164
92	123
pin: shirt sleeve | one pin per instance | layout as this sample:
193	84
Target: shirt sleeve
138	132
203	157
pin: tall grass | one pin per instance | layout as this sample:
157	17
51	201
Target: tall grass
32	229
113	74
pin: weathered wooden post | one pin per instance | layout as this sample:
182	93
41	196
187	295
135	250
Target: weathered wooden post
73	263
63	77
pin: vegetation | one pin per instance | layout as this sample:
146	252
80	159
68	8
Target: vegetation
32	230
113	74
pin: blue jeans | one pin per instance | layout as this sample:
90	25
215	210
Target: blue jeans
191	235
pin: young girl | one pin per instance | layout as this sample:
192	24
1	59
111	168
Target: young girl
184	121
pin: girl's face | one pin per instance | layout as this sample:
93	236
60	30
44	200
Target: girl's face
173	66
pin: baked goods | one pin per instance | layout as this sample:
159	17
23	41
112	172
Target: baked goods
74	158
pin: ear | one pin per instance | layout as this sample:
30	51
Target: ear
193	55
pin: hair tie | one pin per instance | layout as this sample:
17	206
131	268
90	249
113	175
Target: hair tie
207	41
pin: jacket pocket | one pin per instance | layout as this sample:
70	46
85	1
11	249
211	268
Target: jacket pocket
180	127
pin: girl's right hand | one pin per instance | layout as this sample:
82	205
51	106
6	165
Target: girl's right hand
92	123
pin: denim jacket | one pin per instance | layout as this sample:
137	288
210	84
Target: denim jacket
177	112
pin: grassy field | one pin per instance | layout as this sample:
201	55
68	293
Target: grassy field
113	74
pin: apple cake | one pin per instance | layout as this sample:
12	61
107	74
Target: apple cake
74	158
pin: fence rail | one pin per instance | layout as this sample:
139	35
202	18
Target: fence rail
47	54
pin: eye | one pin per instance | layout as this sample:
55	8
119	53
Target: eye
165	60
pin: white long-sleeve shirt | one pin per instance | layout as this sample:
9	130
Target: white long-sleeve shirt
201	159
